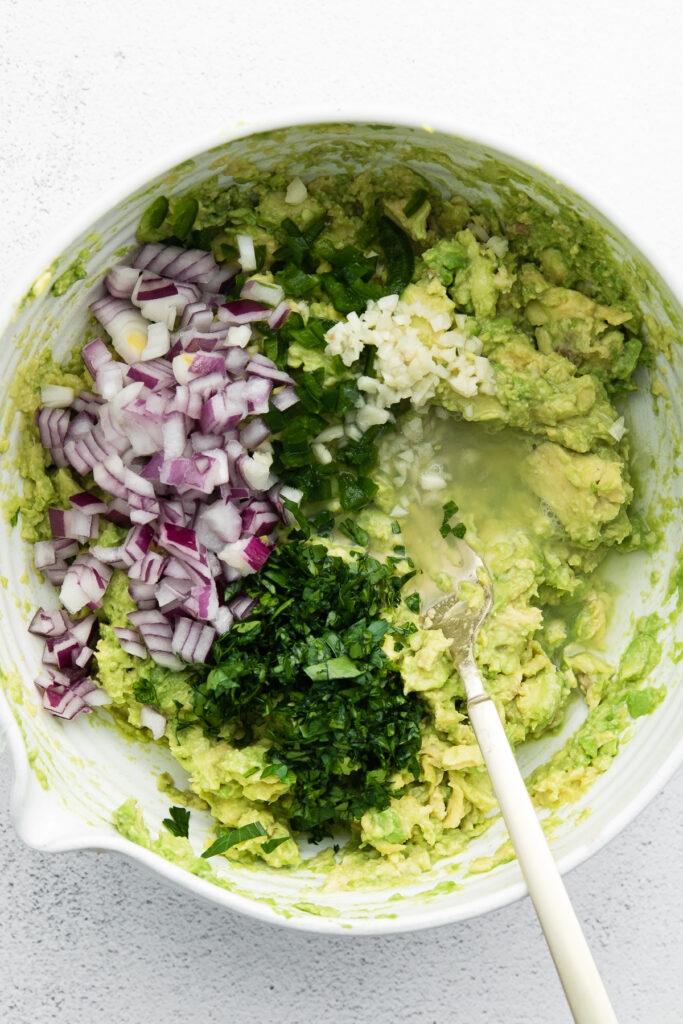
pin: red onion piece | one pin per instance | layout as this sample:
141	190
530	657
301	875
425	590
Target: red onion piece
54	623
192	640
262	292
73	524
88	503
95	355
153	720
157	633
242	606
60	701
120	281
130	641
284	399
242	311
179	264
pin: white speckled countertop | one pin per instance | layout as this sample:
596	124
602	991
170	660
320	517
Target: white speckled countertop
89	92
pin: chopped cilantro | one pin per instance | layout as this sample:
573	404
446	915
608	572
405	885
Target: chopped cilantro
398	254
312	678
412	602
333	668
272	844
355	492
179	822
145	692
395	527
226	839
415	202
450	509
354	532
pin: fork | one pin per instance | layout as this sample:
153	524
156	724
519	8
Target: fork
459	614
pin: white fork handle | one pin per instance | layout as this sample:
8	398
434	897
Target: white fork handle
578	973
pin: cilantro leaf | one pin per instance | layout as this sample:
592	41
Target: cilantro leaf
354	532
398	254
236	835
450	509
415	202
272	844
145	691
179	822
334	668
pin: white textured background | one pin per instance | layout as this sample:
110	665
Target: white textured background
89	93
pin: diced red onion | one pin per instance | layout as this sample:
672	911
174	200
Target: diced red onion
60	701
246	252
47	553
149	568
155	374
278	316
179	264
153	720
197	315
259	522
125	325
262	291
161	300
218	524
236	360
109	379
83	629
85	401
243	311
55	574
56	396
54	623
158	341
284	399
254	433
85	583
142	594
73	524
223	620
241	606
120	281
95	355
246	555
130	641
119	512
87	503
53	425
262	366
202	601
157	633
192	640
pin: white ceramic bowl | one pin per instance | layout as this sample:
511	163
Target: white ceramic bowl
70	777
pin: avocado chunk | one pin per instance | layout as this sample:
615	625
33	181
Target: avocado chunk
585	491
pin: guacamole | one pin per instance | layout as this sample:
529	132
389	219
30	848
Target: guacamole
453	365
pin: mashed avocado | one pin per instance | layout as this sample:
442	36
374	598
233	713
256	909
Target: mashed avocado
537	463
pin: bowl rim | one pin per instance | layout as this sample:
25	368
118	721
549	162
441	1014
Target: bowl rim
89	838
